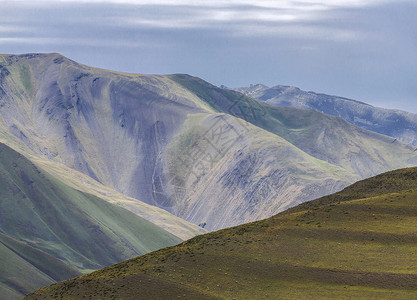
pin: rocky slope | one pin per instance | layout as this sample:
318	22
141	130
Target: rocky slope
359	243
208	155
398	124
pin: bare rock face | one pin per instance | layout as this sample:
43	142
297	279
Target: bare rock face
398	124
209	155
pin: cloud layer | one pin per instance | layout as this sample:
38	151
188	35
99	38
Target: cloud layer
362	49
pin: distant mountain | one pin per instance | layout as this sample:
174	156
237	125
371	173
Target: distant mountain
395	123
328	138
211	156
359	243
50	231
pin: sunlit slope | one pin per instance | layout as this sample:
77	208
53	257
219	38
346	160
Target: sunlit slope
110	126
325	137
79	229
86	184
360	243
69	117
223	171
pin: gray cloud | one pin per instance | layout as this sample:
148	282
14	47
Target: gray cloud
360	49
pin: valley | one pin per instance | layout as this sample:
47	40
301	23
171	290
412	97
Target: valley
358	243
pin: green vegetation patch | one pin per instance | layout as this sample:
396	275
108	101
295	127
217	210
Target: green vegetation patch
26	78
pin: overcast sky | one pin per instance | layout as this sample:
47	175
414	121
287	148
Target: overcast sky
365	50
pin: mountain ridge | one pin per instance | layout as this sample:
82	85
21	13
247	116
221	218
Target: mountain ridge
392	122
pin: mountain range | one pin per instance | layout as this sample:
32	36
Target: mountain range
399	124
100	166
204	154
359	243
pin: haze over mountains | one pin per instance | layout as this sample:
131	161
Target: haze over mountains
84	148
399	124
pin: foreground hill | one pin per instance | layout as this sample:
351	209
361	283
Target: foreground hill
359	243
50	231
395	123
208	155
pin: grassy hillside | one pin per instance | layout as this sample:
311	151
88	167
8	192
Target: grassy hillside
359	243
75	228
86	184
24	269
